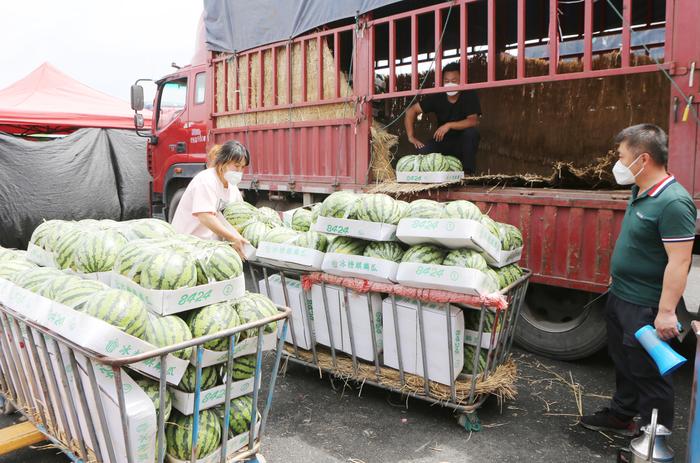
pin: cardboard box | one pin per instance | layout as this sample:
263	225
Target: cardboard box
168	302
249	252
184	401
359	306
428	177
369	268
246	347
371	231
457	279
302	309
436	339
503	257
40	256
289	256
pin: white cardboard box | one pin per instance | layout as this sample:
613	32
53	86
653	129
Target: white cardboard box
471	337
369	268
372	231
302	309
289	256
504	257
246	347
358	304
249	251
184	401
40	256
436	340
456	279
168	302
428	177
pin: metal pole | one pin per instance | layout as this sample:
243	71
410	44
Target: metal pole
160	455
328	324
227	395
122	411
197	397
399	354
424	355
346	299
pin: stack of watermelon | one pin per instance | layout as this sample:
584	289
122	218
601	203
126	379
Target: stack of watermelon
433	162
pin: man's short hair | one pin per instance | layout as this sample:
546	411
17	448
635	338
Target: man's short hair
646	138
451	67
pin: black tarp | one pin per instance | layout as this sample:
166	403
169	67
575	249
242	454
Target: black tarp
238	25
91	173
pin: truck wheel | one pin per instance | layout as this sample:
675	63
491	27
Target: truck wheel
172	205
553	323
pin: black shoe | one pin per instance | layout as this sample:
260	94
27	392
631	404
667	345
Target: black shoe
607	420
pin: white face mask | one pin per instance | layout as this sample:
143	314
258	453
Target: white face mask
623	174
233	178
451	84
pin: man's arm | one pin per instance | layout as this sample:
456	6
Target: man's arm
471	121
675	278
410	119
211	221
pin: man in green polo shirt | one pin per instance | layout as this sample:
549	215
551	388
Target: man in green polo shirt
649	270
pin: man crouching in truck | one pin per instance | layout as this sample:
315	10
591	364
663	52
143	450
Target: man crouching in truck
458	120
649	270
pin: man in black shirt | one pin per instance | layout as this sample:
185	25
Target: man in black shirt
458	118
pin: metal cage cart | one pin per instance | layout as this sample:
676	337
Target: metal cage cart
79	399
464	392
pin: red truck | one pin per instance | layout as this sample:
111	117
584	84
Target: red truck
305	108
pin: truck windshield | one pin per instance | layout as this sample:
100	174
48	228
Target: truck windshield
172	101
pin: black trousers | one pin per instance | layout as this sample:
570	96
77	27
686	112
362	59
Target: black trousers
461	144
639	385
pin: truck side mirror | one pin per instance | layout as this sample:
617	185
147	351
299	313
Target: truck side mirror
138	121
137	98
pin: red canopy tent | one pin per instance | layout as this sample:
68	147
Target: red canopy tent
49	101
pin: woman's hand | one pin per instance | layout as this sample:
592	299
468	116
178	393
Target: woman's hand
237	243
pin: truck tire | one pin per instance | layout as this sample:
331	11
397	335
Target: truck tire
174	201
553	323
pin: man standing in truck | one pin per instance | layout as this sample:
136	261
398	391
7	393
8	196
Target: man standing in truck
458	121
649	270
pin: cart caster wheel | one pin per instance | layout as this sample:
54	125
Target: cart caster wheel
470	422
6	407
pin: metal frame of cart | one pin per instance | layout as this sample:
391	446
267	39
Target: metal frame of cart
25	391
499	345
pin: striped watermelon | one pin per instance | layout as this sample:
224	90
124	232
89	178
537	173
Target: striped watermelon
433	162
167	331
98	251
252	307
315	211
269	216
78	292
218	262
9	269
511	237
312	240
301	220
340	204
148	228
461	210
347	245
133	256
120	309
494	277
7	255
67	245
179	431
377	208
454	164
42	233
34	278
57	285
255	232
491	225
508	275
281	235
410	163
58	229
387	250
210	377
469	354
213	319
240	213
467	258
424	254
152	390
169	270
424	209
243	367
240	415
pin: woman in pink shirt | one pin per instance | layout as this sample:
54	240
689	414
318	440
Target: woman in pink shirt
198	212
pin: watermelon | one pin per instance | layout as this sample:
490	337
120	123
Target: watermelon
340	204
424	254
508	275
148	228
57	285
213	319
34	278
453	164
9	269
152	390
240	414
168	270
424	209
410	163
377	208
240	213
134	255
43	233
167	331
401	210
210	377
312	240
78	293
120	309
7	255
467	258
494	277
66	246
98	251
179	432
255	232
491	225
252	307
281	235
315	211
269	216
347	245
301	220
58	229
387	250
243	367
218	261
469	353
511	237
433	162
461	210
